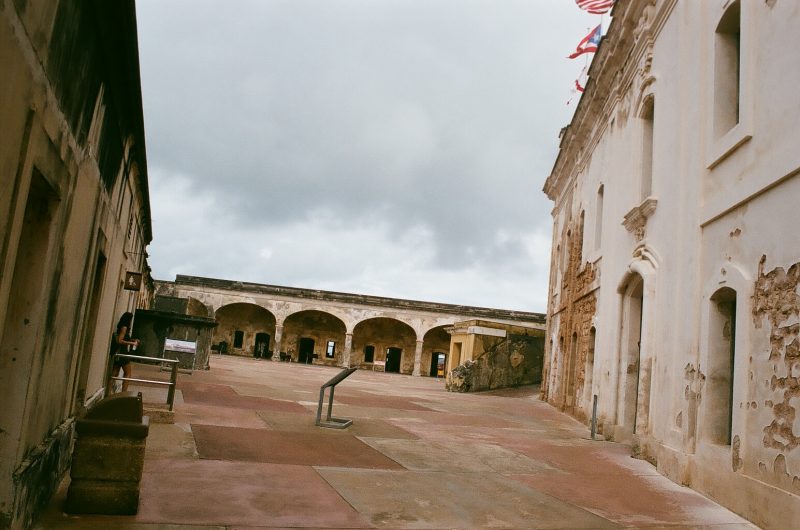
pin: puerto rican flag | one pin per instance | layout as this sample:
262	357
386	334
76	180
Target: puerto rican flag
596	7
589	43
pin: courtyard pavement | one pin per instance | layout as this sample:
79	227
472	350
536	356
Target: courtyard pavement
244	453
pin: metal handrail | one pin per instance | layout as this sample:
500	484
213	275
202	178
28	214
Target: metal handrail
330	421
173	379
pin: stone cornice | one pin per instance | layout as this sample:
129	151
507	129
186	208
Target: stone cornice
349	298
636	219
635	26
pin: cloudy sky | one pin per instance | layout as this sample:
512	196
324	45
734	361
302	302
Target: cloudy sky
386	147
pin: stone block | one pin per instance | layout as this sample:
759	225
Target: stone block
108	457
103	497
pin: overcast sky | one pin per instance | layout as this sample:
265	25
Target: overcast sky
385	147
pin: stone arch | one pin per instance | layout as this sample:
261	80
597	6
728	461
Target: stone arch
724	334
244	329
435	341
383	333
636	330
327	331
196	308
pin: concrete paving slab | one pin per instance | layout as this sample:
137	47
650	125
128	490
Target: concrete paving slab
421	455
281	421
170	441
638	501
309	449
225	396
244	494
357	411
467	420
603	459
520	462
222	416
454	500
385	402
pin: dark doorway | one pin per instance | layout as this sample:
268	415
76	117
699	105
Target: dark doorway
393	359
262	346
438	362
305	350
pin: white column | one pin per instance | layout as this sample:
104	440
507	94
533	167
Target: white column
276	355
348	348
417	358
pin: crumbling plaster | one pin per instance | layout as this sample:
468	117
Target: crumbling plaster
708	220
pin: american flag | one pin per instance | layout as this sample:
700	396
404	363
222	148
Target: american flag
596	7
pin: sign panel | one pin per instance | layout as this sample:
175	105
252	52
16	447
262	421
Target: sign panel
184	346
133	281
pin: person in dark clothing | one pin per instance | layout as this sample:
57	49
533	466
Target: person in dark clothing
121	343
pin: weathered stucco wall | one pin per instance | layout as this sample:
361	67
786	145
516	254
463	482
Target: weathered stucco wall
74	216
687	281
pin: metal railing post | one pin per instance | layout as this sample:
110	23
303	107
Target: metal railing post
173	379
171	385
331	422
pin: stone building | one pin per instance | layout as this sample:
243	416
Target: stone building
487	355
74	224
676	256
335	329
171	319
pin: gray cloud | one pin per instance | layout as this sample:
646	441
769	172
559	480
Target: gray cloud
355	138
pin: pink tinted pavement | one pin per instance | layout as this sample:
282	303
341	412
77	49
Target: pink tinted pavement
244	453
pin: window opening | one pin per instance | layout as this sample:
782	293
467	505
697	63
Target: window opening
598	222
727	70
648	115
369	354
721	362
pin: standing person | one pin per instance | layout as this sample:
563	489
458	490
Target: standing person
120	343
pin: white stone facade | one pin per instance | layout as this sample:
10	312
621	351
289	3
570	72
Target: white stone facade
676	255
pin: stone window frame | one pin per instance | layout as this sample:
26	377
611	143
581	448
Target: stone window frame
330	349
598	217
722	146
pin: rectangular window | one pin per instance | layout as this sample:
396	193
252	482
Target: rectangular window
369	354
331	349
598	223
727	69
648	115
238	338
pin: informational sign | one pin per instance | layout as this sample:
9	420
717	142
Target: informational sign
133	281
183	346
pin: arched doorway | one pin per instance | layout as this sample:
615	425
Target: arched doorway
388	340
720	366
630	348
313	336
436	344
